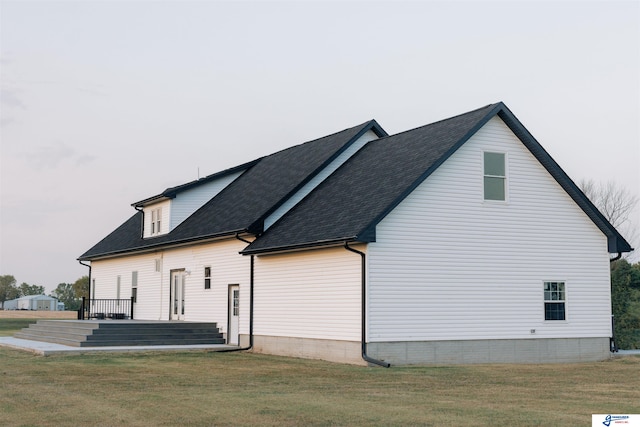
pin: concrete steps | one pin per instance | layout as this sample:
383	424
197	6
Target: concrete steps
101	333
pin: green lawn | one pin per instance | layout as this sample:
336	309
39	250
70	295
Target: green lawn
8	327
231	389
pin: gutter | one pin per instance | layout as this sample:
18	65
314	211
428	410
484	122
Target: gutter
617	257
251	280
141	210
364	309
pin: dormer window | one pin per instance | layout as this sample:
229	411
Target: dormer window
156	221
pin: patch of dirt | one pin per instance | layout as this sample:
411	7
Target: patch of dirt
33	314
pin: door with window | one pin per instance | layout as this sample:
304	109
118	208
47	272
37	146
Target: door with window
177	295
233	331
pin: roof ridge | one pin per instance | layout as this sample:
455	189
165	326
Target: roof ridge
445	119
168	192
361	125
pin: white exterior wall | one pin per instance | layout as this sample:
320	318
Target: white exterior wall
315	181
310	294
208	305
188	201
151	291
449	266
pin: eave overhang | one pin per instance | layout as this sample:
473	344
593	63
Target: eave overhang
159	246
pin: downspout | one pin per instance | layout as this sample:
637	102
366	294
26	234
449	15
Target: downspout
364	309
141	210
86	265
251	275
613	347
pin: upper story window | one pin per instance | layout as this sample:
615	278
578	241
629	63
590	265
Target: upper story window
156	221
554	301
495	176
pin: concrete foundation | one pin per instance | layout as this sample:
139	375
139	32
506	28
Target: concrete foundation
307	348
554	350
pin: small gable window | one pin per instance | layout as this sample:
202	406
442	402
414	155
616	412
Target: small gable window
156	221
495	176
207	277
554	301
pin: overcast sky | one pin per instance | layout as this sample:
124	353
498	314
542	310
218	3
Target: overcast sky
108	103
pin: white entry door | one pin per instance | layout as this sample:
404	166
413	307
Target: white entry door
233	331
177	295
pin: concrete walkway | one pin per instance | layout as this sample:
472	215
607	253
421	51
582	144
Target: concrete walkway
48	349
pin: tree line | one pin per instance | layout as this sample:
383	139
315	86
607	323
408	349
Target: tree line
69	293
625	303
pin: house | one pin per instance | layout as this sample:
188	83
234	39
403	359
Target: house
461	241
33	302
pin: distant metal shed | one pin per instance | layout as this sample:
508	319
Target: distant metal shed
32	302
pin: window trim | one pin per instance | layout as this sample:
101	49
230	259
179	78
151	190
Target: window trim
545	301
207	278
156	221
505	178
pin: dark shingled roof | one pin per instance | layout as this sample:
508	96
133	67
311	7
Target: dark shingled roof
244	204
349	204
172	192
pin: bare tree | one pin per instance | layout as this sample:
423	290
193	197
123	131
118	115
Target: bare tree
616	203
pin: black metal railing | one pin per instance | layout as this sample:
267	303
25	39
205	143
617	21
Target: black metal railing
98	309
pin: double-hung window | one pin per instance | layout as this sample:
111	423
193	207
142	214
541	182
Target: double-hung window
554	301
156	221
495	176
207	277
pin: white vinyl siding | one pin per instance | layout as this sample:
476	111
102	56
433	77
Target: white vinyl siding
448	266
315	181
188	201
149	294
311	294
153	302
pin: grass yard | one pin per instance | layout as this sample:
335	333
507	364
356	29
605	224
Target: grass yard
9	327
231	389
12	321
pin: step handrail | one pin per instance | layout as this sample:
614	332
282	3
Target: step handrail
106	308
